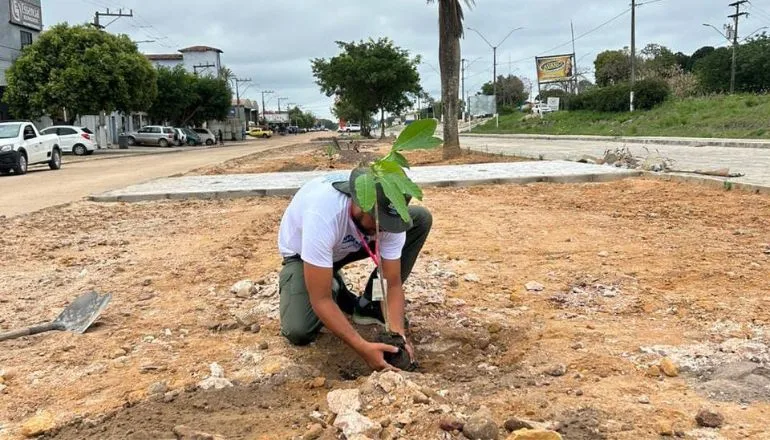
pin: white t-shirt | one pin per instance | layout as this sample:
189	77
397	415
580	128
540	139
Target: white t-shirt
318	226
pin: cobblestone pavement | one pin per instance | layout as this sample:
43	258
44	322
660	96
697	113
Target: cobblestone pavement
753	162
251	185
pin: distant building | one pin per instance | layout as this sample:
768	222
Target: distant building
25	21
201	60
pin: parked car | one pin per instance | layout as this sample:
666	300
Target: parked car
76	140
292	129
22	145
153	135
350	128
192	137
207	137
261	133
181	137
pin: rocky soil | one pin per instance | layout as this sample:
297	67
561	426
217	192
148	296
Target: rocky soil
627	310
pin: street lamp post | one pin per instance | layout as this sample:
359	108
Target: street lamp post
494	54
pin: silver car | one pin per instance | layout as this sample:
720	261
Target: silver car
207	137
153	135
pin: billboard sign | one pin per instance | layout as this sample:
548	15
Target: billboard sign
483	105
555	68
276	118
554	103
27	13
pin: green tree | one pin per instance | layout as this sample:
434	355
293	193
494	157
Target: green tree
176	94
370	76
302	119
658	61
612	67
450	24
212	100
510	90
83	69
329	124
699	54
346	111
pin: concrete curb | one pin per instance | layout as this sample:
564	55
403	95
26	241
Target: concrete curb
705	142
711	182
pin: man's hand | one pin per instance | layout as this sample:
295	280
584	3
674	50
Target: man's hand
374	355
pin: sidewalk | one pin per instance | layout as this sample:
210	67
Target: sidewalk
282	184
655	140
753	162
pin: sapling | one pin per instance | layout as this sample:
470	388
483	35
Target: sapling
390	173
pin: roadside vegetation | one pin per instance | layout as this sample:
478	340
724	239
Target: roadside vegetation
719	116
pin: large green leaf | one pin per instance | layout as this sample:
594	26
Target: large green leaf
418	136
395	196
400	159
405	185
366	192
386	166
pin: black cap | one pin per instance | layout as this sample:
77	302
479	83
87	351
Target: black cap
389	218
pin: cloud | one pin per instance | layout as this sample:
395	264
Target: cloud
272	42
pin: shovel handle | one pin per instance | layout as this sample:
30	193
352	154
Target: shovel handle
29	331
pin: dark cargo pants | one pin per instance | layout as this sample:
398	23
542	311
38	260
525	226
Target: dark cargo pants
299	323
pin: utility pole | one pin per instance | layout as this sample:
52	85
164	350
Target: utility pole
494	54
633	50
279	103
238	81
202	67
462	96
574	57
265	92
737	5
97	17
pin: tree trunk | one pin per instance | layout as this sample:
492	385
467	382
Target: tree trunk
449	60
382	123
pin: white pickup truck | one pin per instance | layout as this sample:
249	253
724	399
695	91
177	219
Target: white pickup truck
21	145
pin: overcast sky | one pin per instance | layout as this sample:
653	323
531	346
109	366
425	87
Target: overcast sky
273	41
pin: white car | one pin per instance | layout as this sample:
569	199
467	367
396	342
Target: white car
181	137
76	140
541	109
350	128
207	137
21	145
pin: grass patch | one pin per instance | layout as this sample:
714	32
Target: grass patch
739	116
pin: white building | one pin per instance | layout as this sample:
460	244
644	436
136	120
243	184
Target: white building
201	60
23	26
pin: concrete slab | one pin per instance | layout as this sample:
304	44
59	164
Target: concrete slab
285	184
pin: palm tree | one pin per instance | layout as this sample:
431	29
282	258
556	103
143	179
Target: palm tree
450	23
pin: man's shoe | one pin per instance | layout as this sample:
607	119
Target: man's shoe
346	300
368	312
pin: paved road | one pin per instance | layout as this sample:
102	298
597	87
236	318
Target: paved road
42	188
754	162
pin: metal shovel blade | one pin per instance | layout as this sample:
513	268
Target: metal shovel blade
79	315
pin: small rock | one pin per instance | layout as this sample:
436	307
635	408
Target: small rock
578	346
3	388
480	428
340	401
514	424
247	319
315	431
669	367
157	388
664	428
255	328
216	383
472	278
420	398
217	370
450	423
644	400
264	345
709	419
353	424
535	434
557	371
653	371
318	382
603	254
578	393
389	381
38	424
534	286
243	289
146	282
184	433
494	328
171	395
